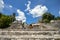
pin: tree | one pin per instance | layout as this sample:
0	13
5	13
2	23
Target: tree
5	21
46	21
13	17
57	18
0	15
47	17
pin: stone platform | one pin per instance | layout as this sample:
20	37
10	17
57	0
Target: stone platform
29	35
39	32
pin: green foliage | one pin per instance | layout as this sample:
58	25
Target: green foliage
47	17
57	18
46	21
5	21
13	17
0	15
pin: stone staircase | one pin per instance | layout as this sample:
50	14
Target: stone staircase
29	35
16	32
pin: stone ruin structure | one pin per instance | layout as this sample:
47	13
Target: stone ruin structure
39	31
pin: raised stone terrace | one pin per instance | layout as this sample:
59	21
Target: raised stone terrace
29	35
38	31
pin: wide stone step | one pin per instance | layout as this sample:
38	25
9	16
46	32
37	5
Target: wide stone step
28	32
29	36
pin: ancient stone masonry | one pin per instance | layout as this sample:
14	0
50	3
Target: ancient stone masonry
29	35
39	31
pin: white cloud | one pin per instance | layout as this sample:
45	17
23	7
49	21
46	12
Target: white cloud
28	6
21	16
10	6
2	1
1	5
59	12
38	10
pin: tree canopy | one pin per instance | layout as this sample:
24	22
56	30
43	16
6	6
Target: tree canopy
47	17
5	20
57	18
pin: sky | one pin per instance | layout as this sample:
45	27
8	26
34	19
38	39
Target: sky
29	11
